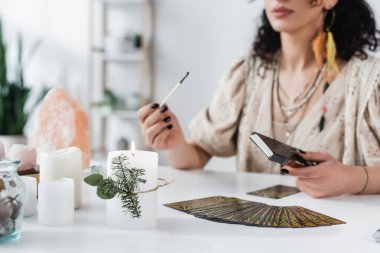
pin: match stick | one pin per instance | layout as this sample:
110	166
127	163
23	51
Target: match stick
173	90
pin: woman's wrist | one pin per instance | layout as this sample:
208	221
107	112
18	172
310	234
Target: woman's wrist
359	179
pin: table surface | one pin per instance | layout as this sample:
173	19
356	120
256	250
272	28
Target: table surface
179	232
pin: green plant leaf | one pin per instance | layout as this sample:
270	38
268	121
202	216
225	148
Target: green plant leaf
93	179
97	169
106	189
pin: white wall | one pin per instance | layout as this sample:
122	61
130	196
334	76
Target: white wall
62	26
204	38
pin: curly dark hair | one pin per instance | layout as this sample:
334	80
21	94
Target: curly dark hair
354	31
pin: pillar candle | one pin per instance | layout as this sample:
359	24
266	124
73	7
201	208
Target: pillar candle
148	201
63	163
56	202
31	196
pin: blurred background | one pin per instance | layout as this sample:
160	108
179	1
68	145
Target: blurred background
117	55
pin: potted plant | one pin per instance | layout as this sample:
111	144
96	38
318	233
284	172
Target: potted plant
13	97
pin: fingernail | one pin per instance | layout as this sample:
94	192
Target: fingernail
302	152
169	127
284	171
164	108
154	106
167	119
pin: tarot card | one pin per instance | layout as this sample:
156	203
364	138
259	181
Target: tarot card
188	205
283	219
322	217
267	219
240	216
276	192
304	221
313	218
220	210
255	218
294	222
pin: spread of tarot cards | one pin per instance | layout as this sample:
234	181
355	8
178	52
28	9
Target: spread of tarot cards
244	212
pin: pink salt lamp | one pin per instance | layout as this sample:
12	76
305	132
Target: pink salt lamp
60	123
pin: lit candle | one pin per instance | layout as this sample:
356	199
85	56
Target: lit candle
56	202
148	201
63	163
31	196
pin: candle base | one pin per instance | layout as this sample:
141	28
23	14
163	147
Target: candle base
148	220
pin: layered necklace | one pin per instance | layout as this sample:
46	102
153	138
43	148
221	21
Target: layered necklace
298	102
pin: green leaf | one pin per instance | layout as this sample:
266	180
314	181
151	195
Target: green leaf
106	189
96	169
93	179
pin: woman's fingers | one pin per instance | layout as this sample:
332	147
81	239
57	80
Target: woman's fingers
156	116
160	139
315	156
151	133
145	111
306	172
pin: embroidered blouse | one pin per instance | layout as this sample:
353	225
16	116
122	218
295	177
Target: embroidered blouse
243	102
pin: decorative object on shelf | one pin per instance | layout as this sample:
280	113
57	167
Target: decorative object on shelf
376	235
12	199
112	102
14	95
133	101
130	188
56	202
63	163
31	196
131	42
61	123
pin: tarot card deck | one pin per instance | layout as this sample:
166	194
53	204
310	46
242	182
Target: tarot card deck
239	211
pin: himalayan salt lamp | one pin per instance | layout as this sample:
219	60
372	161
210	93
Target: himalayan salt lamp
2	150
61	123
24	153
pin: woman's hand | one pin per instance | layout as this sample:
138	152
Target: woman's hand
160	127
329	178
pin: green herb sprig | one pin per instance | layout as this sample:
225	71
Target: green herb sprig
124	183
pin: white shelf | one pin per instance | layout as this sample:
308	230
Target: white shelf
121	57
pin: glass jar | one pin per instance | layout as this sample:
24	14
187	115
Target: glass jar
12	198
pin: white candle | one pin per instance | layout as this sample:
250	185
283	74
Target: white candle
56	202
148	201
31	196
63	163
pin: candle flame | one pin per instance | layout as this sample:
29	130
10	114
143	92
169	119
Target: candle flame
133	148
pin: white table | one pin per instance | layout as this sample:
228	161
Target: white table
179	232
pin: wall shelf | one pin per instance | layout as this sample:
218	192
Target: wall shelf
104	61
